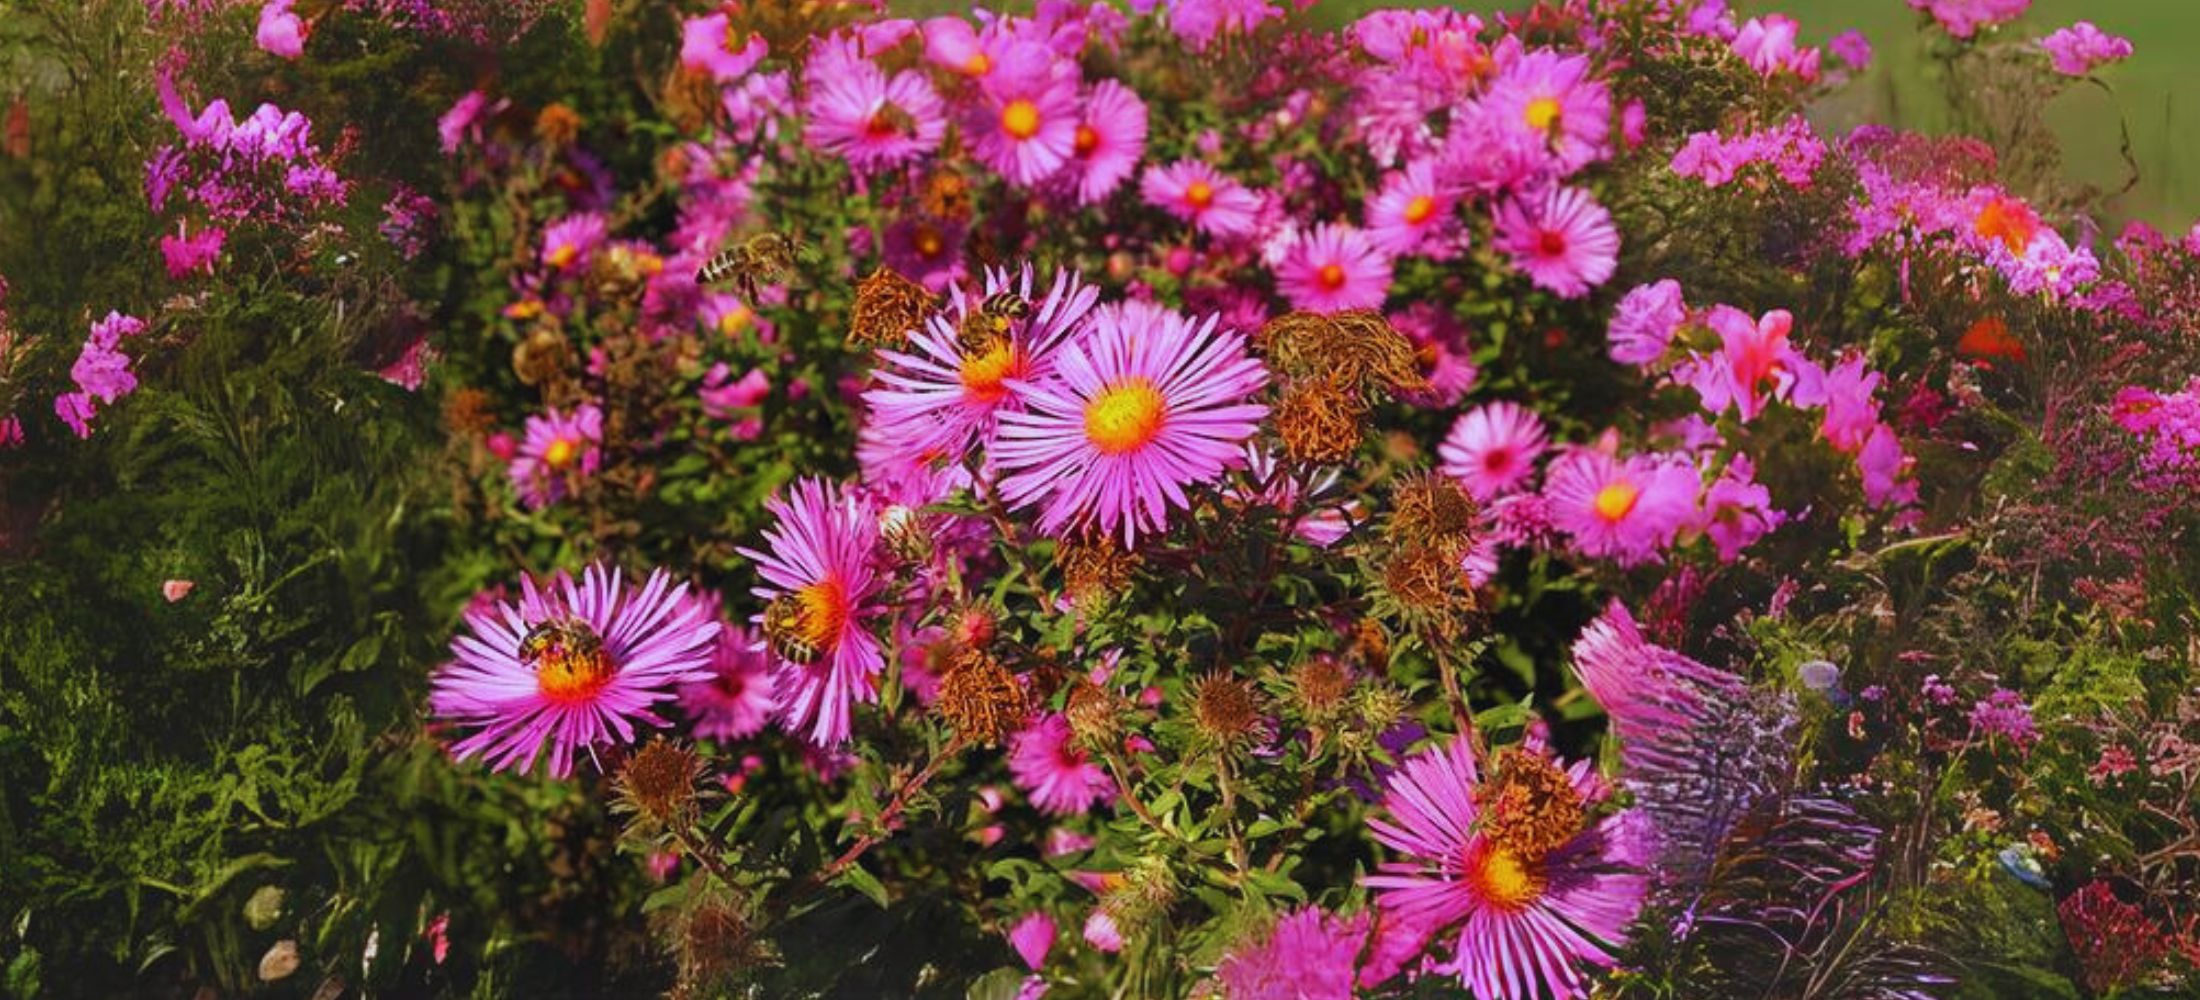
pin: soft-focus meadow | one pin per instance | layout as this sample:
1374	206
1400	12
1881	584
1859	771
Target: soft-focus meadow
1207	498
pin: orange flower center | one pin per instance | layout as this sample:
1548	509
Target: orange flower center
979	64
1331	277
824	613
1614	501
1502	878
573	672
1542	114
561	453
983	375
2007	220
1020	119
1420	209
1125	418
562	256
928	242
735	320
1087	140
1199	194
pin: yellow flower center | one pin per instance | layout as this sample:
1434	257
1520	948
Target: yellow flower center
1199	194
1419	209
979	64
1087	140
561	453
1542	114
1020	119
1616	500
824	613
737	40
561	257
1502	879
1331	277
1125	418
929	242
735	320
983	375
573	673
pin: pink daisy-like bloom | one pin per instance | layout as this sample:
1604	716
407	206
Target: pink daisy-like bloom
1032	937
941	397
928	251
1644	322
2077	49
711	45
856	111
1024	126
1737	510
1492	449
1846	392
1307	955
1565	241
560	451
1755	363
820	581
1963	18
194	253
1333	268
281	32
1528	918
1551	97
953	44
1412	214
1061	779
1201	195
735	698
570	243
1108	142
1623	510
1646	690
1144	405
570	666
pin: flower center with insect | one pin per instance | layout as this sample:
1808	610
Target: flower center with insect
1199	194
735	320
883	125
573	670
561	453
1087	140
1503	879
984	376
1616	500
1125	418
823	614
1541	114
1420	209
1528	806
1020	119
1330	277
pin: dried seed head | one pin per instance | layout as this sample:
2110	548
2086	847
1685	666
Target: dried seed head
1094	569
981	699
712	943
1224	708
1427	581
557	125
887	307
1379	707
1147	889
1318	688
1356	348
1528	805
468	412
1431	509
542	355
1320	422
658	782
1095	715
947	196
1372	645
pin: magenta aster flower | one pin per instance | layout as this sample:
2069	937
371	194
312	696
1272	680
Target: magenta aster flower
1032	937
192	253
1307	955
952	44
1963	18
570	243
1145	405
1846	392
1024	126
1060	778
1550	96
928	251
1530	912
1646	690
1754	365
1624	510
1645	320
1737	510
1108	142
101	372
856	111
560	451
711	45
736	695
820	583
1492	449
281	32
1412	214
941	397
2077	49
1201	195
569	667
1565	241
1333	268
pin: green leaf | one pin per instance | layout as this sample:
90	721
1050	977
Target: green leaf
861	880
1000	984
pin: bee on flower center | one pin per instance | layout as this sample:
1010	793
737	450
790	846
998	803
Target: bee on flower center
567	656
764	258
985	329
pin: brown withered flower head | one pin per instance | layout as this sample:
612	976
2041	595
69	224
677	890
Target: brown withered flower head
542	355
713	944
557	124
1427	587
1320	421
1528	805
1357	348
468	412
1225	709
981	699
1431	509
1095	715
1319	685
658	783
1094	569
947	195
887	307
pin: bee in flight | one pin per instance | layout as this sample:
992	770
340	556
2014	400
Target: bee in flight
568	639
984	328
783	631
762	259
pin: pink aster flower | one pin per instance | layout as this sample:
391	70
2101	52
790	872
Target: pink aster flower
1024	126
1550	97
570	243
1645	320
736	695
953	44
1412	214
2077	49
928	251
569	666
820	583
1754	366
1565	241
1737	510
1885	469
1963	18
280	31
711	45
101	372
1201	195
1032	937
1307	955
942	397
560	451
1622	510
1768	45
1059	777
1109	141
192	253
1333	268
1199	22
1845	391
856	111
1492	449
1646	690
1528	915
1145	405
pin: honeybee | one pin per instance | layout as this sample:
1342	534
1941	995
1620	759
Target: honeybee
764	258
985	327
569	638
783	628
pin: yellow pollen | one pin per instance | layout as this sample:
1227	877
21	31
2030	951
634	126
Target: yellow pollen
735	320
1020	119
824	613
979	64
1125	418
1616	500
1199	194
1331	277
1542	114
1087	140
562	257
561	453
1419	209
983	375
571	675
1503	879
